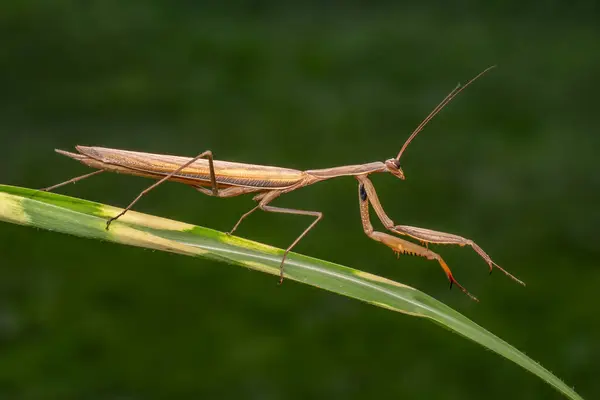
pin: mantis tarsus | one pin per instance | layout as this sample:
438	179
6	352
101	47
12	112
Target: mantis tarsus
229	179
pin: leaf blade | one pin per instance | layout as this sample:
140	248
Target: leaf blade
88	219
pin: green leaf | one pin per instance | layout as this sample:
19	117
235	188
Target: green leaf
88	219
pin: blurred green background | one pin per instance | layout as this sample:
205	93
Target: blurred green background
511	163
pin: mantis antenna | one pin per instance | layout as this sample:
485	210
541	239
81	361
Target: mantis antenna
459	88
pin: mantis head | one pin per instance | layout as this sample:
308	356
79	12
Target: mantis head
393	167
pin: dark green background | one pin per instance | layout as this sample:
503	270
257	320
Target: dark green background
512	163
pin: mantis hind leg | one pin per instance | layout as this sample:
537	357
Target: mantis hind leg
72	180
213	180
401	246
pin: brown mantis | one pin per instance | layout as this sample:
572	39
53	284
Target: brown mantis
229	179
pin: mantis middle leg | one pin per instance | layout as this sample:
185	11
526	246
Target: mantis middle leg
265	199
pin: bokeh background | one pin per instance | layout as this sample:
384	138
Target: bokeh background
511	163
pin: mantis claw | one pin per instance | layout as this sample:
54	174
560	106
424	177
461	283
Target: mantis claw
465	291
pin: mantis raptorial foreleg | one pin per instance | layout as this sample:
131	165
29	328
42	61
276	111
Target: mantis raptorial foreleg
400	246
213	181
422	234
263	205
430	236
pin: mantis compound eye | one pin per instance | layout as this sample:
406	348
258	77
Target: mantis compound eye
363	192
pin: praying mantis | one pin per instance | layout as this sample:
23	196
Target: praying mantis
230	179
